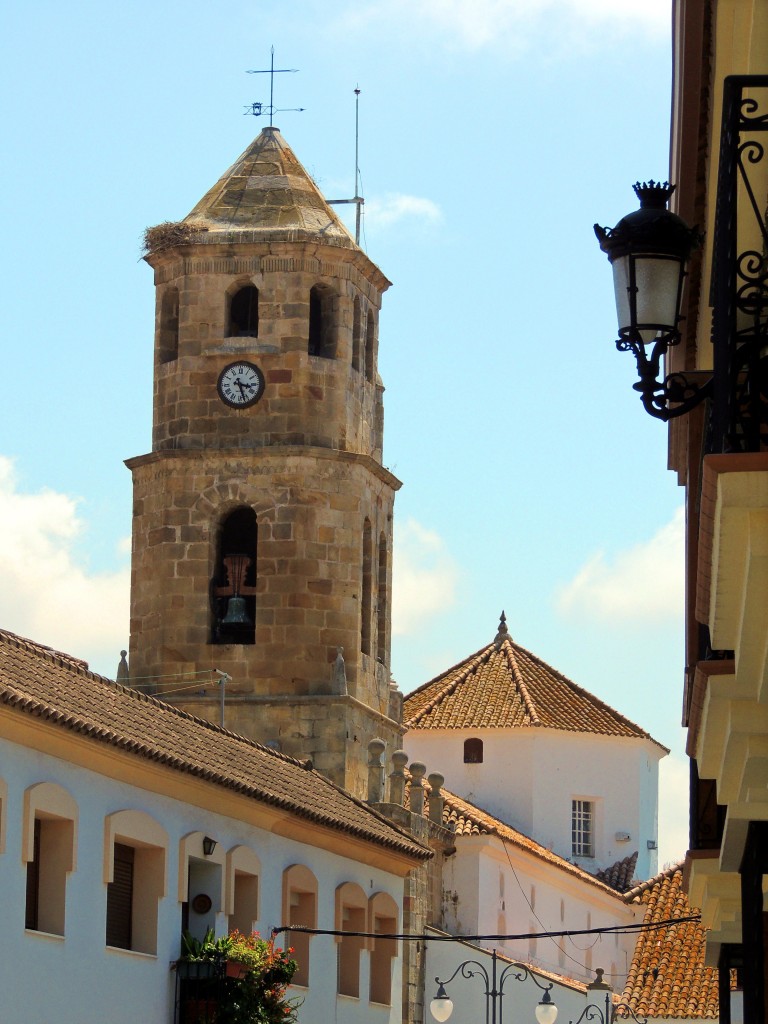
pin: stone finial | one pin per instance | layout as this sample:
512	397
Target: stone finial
339	672
123	675
436	782
599	984
397	778
503	632
418	771
376	748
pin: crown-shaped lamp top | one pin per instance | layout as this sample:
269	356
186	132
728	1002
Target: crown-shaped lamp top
653	194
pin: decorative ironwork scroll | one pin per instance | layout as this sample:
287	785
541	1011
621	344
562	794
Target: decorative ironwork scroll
739	289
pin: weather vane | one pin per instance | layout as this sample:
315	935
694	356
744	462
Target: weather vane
257	109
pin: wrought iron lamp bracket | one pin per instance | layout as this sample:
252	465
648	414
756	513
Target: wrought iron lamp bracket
655	394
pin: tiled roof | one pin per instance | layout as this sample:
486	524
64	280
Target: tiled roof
504	686
267	191
36	681
467	820
667	977
621	874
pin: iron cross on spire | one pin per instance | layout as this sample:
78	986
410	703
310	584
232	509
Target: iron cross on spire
257	109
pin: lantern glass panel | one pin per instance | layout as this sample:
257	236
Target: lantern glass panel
658	284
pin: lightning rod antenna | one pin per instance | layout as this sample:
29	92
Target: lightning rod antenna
358	202
358	199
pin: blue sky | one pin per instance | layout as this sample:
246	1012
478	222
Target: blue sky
492	136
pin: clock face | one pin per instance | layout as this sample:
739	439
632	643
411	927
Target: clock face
240	385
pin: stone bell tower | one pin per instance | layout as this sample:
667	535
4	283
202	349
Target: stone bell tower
262	521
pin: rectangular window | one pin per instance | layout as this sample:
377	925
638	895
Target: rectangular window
120	899
582	828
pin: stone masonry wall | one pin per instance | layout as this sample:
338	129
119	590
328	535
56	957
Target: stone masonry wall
309	400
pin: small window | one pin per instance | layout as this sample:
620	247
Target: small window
383	914
370	347
365	604
357	332
168	339
233	587
135	848
322	322
473	751
120	898
582	828
50	825
244	313
381	614
351	912
300	907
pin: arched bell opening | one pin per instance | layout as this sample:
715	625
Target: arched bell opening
243	320
168	336
323	309
233	585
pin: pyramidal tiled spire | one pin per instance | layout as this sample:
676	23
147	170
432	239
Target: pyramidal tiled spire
267	191
505	686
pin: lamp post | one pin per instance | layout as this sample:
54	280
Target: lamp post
649	250
441	1007
594	1013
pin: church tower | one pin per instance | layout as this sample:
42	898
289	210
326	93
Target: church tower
262	521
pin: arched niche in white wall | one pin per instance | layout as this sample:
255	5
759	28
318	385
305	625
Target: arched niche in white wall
241	891
135	870
49	850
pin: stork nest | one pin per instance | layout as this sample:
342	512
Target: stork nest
168	235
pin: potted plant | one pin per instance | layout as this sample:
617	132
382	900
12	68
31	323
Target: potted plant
247	982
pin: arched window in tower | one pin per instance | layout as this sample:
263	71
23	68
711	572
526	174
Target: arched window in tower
473	751
168	340
381	612
233	586
357	334
243	320
370	344
365	604
322	322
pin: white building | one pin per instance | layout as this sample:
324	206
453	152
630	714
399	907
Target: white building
515	737
106	796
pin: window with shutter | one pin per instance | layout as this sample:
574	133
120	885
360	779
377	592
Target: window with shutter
120	899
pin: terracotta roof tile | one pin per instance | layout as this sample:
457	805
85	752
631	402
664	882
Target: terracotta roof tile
36	681
504	686
667	977
619	875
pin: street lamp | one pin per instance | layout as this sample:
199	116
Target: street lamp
594	1013
441	1007
649	250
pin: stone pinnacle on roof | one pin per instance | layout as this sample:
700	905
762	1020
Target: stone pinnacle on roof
503	633
267	191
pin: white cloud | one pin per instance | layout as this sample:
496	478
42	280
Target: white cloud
643	583
396	207
515	24
44	593
673	810
424	576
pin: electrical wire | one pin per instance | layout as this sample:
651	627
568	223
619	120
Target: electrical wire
622	929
